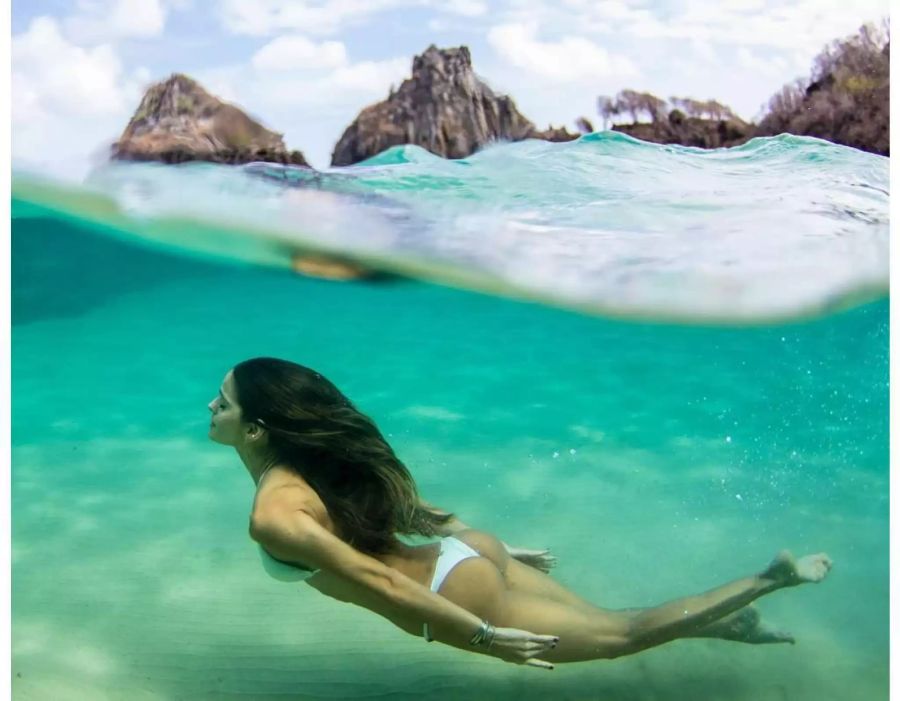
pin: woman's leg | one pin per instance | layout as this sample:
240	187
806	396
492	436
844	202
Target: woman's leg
607	634
527	580
742	626
694	616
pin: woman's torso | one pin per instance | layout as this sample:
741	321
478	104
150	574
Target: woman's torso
415	561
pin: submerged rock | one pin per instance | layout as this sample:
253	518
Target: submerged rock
179	121
444	108
328	267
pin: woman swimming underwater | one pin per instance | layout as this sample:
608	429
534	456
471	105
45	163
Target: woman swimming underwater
331	498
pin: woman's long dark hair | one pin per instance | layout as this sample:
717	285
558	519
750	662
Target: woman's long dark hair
315	430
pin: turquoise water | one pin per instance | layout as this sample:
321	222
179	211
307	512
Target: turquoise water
654	459
776	229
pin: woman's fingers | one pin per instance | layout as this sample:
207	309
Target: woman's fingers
544	561
523	647
542	644
539	559
537	648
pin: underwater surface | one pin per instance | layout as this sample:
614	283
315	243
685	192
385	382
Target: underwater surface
656	459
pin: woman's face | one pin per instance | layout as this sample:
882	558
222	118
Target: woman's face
226	426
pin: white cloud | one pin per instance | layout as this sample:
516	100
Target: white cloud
138	18
253	17
774	65
371	78
67	101
104	20
56	76
704	50
776	24
466	8
266	17
569	59
71	90
313	108
611	10
747	5
296	52
687	48
563	17
805	24
263	17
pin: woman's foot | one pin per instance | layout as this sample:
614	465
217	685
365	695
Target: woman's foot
744	626
787	571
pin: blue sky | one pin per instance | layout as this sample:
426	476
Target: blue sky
79	67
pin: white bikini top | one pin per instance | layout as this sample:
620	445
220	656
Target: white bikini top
278	569
283	571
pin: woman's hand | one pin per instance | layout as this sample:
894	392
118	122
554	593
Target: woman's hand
539	559
521	647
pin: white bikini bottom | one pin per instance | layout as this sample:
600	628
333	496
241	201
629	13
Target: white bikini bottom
453	551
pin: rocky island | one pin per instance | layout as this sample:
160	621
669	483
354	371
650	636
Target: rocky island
846	100
444	108
680	120
178	121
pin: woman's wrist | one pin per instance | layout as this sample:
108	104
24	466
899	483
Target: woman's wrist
484	636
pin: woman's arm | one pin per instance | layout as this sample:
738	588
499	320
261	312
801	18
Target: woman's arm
297	535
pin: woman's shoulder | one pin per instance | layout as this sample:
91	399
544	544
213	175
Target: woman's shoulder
282	491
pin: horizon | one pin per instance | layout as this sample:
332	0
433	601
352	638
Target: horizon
80	68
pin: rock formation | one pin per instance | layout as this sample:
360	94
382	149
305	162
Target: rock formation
846	99
690	131
551	133
179	121
699	123
443	108
584	125
333	268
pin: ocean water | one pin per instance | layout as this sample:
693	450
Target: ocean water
663	425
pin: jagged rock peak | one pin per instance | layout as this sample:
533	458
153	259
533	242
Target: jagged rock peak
443	107
177	120
447	64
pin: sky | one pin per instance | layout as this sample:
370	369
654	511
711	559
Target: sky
306	68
